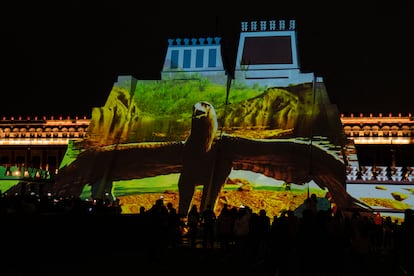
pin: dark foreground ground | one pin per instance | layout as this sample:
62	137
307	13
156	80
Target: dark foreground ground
87	246
179	261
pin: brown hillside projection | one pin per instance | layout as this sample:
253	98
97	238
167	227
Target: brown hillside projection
274	109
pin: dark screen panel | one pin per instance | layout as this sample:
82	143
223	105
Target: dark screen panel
267	50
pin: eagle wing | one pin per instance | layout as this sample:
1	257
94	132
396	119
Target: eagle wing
119	162
290	160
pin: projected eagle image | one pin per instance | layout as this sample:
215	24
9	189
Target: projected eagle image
205	158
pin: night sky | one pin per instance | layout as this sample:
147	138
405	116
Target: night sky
62	59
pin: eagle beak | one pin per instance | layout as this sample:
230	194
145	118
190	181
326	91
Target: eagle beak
199	114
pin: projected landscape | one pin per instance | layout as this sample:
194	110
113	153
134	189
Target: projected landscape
138	150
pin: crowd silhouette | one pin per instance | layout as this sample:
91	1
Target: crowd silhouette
316	243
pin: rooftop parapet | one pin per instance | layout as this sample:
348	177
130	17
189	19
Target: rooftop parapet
268	25
194	41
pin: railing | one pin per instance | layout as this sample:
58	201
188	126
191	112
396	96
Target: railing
380	174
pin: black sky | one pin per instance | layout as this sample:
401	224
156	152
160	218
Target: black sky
62	59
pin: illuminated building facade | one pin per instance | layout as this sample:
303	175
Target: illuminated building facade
32	148
267	84
382	141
